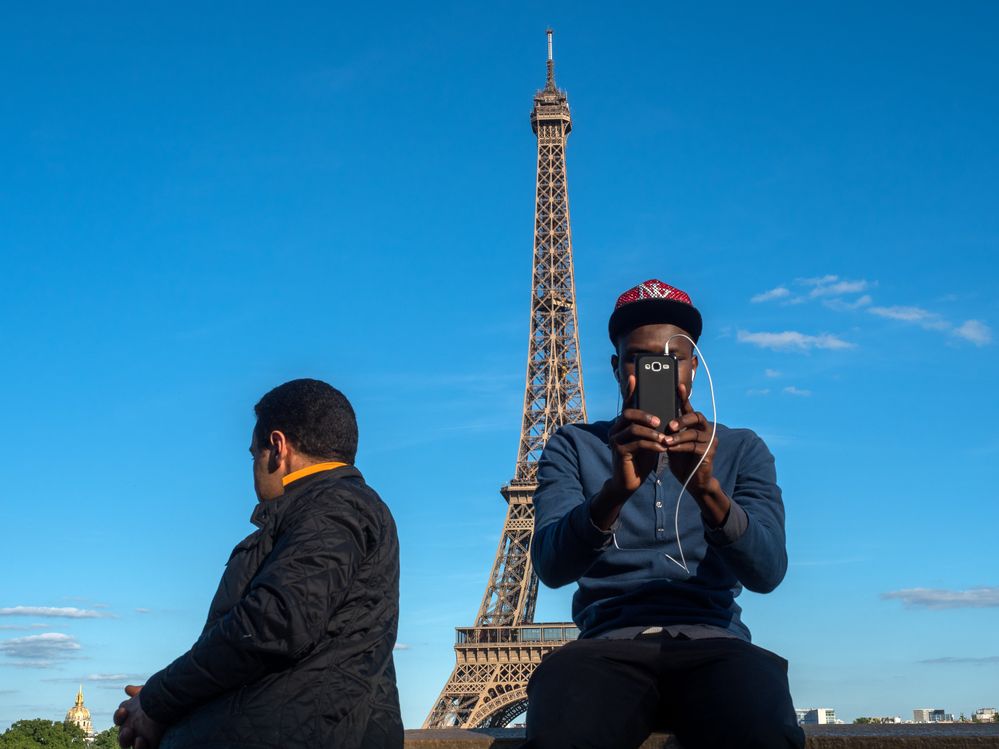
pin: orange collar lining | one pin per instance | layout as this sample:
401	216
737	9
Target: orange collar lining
301	473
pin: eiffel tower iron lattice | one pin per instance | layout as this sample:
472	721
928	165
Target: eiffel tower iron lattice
496	657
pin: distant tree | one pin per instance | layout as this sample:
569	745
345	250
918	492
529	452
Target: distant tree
31	734
863	721
106	739
995	718
963	719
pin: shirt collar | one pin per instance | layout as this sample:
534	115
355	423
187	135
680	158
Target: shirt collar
309	470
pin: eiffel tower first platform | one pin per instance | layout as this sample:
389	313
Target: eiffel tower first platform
496	656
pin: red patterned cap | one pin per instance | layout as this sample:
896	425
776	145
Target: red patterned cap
654	302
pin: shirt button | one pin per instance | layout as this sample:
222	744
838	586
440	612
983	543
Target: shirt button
659	530
659	504
658	482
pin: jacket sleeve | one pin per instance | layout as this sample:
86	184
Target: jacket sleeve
566	543
752	541
281	617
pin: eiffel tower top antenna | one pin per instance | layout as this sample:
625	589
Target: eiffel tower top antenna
550	83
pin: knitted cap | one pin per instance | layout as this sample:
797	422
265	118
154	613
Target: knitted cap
650	303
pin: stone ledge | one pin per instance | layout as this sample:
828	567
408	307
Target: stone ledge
950	736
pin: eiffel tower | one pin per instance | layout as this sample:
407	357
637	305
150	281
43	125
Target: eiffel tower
496	657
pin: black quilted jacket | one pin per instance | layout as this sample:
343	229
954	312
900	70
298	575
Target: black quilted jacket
297	649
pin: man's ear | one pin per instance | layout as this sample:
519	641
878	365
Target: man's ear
614	363
694	361
279	449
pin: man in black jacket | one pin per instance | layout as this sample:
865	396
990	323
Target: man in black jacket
297	649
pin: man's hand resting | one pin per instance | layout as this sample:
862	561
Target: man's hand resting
136	728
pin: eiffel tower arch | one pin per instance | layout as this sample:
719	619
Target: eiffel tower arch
496	657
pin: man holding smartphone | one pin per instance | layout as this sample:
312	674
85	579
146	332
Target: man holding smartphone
662	644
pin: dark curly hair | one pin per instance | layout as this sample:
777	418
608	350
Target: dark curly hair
317	419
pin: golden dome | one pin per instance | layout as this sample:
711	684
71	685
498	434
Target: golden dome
78	714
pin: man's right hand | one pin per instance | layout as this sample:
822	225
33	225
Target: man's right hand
635	448
137	729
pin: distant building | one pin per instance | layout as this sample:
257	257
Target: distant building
930	715
985	714
817	716
78	715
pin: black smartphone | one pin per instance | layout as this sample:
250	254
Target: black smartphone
655	387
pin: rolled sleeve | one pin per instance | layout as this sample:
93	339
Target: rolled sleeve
757	554
729	531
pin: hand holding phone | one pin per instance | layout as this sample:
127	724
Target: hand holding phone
655	387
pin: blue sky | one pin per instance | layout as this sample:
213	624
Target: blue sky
199	203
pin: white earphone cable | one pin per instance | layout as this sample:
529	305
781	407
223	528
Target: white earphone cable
714	432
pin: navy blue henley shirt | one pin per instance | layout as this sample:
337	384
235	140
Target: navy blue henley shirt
636	585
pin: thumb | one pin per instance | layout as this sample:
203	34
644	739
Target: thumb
632	384
131	690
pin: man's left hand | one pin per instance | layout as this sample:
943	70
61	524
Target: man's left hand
137	729
689	438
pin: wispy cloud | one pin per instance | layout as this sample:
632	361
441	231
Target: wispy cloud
836	287
916	315
829	287
40	650
758	391
402	646
932	598
772	373
101	679
142	610
979	661
63	612
776	293
975	331
817	280
793	340
792	390
840	304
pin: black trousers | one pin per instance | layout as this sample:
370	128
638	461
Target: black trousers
611	694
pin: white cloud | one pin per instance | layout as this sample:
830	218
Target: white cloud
839	288
792	390
772	373
64	612
402	646
142	610
973	660
777	293
975	331
103	678
758	391
915	315
40	650
862	301
791	339
818	280
931	598
839	305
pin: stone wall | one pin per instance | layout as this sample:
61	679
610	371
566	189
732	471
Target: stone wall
947	736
